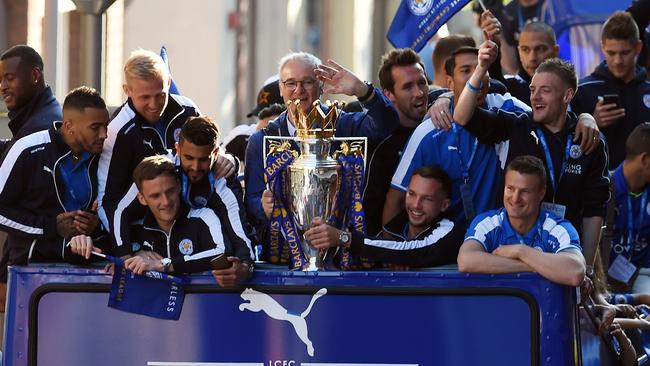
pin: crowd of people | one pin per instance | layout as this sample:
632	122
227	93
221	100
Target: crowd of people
502	163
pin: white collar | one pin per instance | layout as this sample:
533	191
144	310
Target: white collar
290	127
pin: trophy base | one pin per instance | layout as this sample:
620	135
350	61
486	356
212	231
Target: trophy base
311	266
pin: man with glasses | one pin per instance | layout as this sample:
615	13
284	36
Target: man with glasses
298	81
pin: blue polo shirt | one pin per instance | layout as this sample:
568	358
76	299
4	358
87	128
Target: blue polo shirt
452	150
633	212
549	235
75	175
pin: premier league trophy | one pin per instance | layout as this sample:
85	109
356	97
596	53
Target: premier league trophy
312	183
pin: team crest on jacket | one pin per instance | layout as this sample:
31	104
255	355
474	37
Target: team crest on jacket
575	152
646	100
420	7
186	247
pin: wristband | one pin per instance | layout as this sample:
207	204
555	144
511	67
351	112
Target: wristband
472	88
371	89
166	264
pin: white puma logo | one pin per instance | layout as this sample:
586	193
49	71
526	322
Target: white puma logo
150	143
261	301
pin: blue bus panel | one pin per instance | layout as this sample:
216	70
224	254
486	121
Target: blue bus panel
59	316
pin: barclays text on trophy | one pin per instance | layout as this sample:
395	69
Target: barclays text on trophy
308	180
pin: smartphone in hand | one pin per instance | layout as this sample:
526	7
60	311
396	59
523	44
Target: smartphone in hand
220	262
610	99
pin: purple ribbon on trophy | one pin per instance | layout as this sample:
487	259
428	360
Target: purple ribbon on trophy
350	199
311	184
281	227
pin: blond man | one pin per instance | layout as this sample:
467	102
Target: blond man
147	124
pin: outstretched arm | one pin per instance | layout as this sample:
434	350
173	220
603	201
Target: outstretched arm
337	79
467	103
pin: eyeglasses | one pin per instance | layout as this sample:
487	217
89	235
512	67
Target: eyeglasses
307	84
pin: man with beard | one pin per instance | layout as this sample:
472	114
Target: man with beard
48	182
404	83
199	188
473	167
174	237
418	236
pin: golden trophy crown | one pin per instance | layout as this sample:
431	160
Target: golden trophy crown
315	124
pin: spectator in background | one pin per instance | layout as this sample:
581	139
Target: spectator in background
536	44
31	104
627	232
444	48
237	140
269	94
621	78
418	236
521	237
640	11
268	114
514	18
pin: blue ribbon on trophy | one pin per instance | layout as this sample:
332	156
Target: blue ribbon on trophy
281	227
351	161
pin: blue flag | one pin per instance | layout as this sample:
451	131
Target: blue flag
416	21
155	294
577	25
172	88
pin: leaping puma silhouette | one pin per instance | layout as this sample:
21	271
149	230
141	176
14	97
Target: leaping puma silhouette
261	301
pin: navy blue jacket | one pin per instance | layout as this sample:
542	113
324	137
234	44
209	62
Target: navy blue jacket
31	196
225	201
519	85
130	139
37	115
633	96
437	245
196	236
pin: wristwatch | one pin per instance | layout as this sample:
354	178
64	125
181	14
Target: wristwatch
344	237
251	268
166	263
371	89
